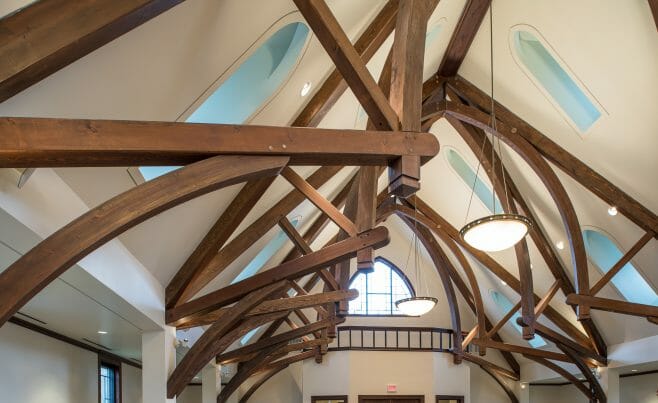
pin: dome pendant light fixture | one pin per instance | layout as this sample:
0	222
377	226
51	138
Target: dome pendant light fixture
416	306
495	232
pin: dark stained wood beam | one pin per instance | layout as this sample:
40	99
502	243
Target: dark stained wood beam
557	338
223	228
48	142
319	201
653	5
284	337
406	91
256	385
567	162
512	348
348	62
272	305
550	180
334	86
594	384
499	325
48	35
496	368
612	305
288	348
245	239
290	270
563	373
462	36
290	360
546	299
621	263
432	219
213	341
53	256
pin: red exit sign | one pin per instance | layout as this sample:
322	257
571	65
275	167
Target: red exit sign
391	388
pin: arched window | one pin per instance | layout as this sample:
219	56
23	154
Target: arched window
504	305
255	81
466	173
534	56
604	253
379	289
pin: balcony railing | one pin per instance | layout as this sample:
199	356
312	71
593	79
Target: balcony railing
388	338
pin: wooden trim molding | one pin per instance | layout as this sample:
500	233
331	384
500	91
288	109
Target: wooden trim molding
315	399
421	398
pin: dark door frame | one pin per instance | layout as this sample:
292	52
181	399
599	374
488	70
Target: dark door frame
335	397
421	398
459	399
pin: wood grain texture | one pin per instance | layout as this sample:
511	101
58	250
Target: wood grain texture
613	305
512	348
50	258
49	142
290	270
551	335
334	86
348	62
48	35
462	37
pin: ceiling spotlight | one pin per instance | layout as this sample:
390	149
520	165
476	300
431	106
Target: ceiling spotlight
559	245
306	88
523	386
612	210
102	332
633	370
503	283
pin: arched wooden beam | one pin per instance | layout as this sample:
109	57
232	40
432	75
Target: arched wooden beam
431	217
564	373
53	256
548	177
594	384
484	150
221	335
269	374
501	382
440	261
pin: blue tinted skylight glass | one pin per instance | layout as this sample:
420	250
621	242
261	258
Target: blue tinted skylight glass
245	339
432	34
264	255
253	83
604	253
564	90
378	291
505	305
482	190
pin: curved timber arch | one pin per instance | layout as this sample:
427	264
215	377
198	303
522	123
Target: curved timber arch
532	157
53	256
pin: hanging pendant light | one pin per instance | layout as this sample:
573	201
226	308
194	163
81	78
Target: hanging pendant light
416	306
495	232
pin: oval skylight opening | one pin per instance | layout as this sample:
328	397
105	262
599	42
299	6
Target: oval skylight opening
468	176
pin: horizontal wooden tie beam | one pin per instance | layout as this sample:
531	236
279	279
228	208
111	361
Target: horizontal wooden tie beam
45	142
612	305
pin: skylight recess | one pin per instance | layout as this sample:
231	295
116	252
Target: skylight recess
504	306
604	253
255	81
467	174
549	73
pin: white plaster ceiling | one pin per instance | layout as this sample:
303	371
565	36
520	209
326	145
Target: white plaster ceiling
155	72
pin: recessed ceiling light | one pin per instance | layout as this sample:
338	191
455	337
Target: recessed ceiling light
612	210
306	88
560	245
523	386
633	370
102	332
503	283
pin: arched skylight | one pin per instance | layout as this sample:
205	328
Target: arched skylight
250	86
550	74
379	289
467	174
504	305
604	253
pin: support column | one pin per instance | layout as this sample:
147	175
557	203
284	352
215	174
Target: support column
523	392
158	361
610	384
211	383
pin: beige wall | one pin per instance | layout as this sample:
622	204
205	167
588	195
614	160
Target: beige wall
639	389
191	394
35	368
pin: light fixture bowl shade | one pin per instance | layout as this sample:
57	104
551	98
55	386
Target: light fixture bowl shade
416	306
496	232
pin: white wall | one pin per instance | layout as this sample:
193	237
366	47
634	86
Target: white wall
484	388
284	387
557	394
35	368
639	389
191	394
